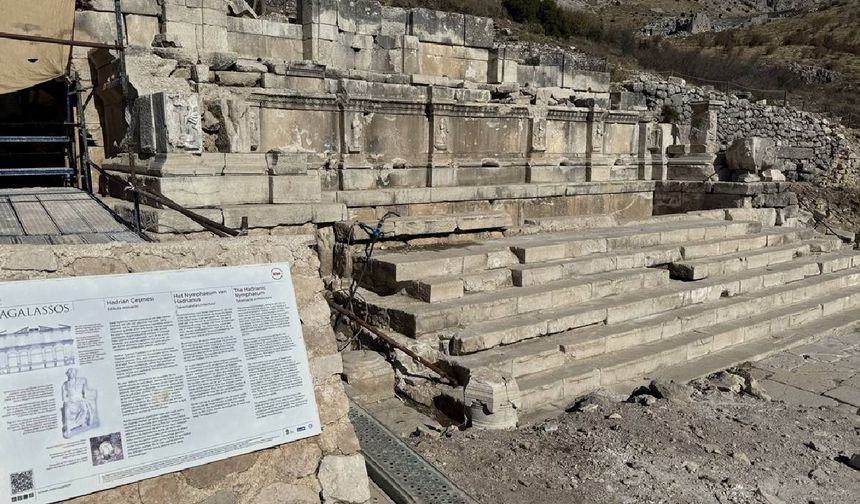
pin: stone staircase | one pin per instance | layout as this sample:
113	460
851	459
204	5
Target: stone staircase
563	313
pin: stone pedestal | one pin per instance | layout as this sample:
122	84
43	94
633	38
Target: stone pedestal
492	400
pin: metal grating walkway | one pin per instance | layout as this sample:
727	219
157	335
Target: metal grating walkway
397	469
57	216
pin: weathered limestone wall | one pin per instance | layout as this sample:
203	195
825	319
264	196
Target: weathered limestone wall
310	152
327	468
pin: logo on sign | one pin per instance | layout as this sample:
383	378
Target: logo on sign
277	274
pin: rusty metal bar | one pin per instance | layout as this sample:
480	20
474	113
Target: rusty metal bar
388	339
56	41
210	225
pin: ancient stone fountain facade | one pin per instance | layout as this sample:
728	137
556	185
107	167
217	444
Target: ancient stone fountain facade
357	109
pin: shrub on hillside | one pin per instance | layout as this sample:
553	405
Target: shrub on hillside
757	39
554	20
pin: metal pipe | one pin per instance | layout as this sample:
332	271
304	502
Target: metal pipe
388	339
56	41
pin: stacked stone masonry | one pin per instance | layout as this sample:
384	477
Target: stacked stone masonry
327	468
812	147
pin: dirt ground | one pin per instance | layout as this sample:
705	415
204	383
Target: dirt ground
706	443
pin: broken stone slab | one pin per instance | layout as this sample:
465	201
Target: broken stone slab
752	155
772	175
671	391
219	60
746	177
240	8
247	65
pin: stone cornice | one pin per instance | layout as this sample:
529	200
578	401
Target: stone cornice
469	110
326	103
386	106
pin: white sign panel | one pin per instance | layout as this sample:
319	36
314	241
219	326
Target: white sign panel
109	380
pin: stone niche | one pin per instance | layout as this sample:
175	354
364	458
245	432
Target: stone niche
327	468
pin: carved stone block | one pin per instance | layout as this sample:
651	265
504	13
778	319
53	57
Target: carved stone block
169	122
440	133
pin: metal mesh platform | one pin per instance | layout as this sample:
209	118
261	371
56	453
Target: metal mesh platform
397	469
58	215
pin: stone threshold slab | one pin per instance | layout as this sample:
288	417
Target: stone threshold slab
406	196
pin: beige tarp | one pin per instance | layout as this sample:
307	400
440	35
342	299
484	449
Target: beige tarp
25	64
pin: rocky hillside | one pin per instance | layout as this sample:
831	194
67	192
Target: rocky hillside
816	55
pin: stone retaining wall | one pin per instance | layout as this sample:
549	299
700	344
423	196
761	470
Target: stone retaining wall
327	468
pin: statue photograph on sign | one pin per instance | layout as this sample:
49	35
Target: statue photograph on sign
80	409
106	448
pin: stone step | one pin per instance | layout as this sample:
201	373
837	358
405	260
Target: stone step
532	274
698	269
552	351
560	386
568	223
626	238
422	195
524	275
769	237
423	225
447	288
760	349
624	307
390	271
414	317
